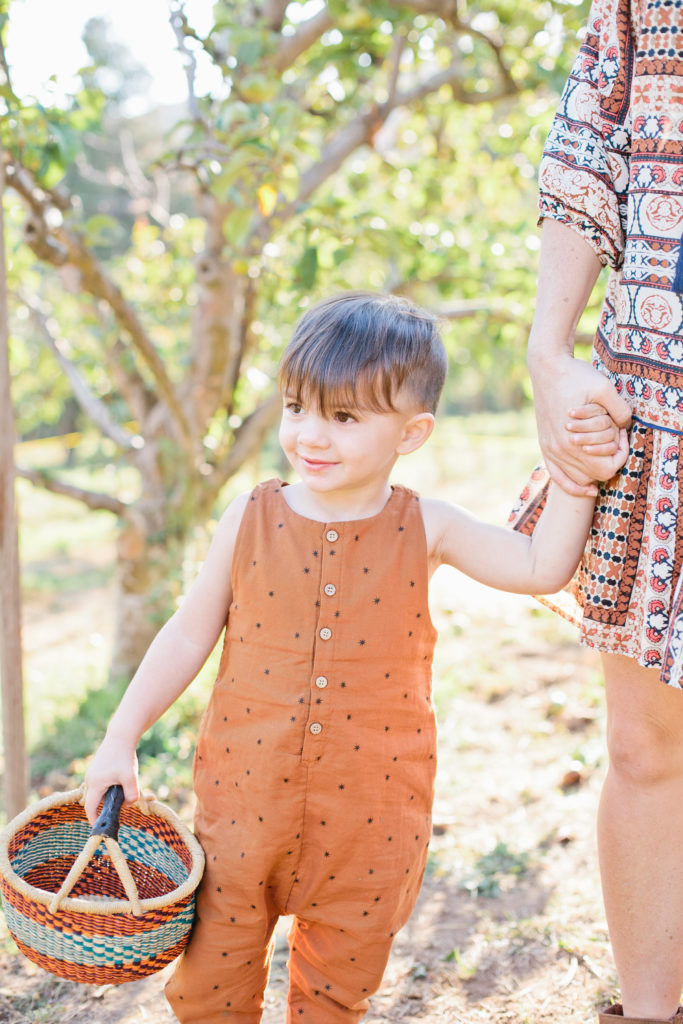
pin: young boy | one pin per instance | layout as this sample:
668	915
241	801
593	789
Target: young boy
315	762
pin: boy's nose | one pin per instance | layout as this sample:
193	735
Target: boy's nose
313	433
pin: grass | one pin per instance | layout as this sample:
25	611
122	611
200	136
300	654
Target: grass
492	868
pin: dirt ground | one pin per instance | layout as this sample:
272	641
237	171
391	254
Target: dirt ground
509	926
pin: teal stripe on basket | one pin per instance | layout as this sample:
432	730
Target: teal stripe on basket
140	846
69	839
96	950
54	842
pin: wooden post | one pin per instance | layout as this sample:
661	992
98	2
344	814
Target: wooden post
11	675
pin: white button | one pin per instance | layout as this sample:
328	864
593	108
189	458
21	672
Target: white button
332	535
330	589
315	728
321	682
325	633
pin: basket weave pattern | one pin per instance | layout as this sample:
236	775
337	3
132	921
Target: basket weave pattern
93	937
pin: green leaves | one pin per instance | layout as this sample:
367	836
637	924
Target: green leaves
236	227
307	268
46	141
61	149
101	229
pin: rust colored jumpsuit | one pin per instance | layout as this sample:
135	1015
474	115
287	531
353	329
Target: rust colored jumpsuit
315	763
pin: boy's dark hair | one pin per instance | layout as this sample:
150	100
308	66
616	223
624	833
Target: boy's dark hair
360	349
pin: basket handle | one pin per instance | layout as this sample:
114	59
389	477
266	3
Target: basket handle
105	829
107	823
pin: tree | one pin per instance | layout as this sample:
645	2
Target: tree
13	733
318	158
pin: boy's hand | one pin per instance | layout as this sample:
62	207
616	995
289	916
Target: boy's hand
112	764
592	429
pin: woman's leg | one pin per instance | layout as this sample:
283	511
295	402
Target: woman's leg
640	837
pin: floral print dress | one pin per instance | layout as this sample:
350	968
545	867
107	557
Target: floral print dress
612	170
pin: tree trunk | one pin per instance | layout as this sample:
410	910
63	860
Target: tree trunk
14	742
149	568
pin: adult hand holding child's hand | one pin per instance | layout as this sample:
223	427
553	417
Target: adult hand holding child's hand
578	446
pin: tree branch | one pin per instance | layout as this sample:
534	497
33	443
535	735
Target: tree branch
131	385
274	13
368	122
451	76
291	47
397	52
353	135
180	27
91	405
93	499
447	10
248	437
179	23
511	86
96	282
464	310
58	246
138	182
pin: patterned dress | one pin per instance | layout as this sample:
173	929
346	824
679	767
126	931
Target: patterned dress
315	763
613	170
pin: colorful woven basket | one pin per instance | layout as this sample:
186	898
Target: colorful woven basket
92	916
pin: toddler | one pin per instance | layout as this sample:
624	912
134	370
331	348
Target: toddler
315	760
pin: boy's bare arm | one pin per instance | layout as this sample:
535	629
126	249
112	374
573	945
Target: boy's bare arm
173	659
499	557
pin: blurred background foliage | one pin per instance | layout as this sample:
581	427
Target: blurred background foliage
440	205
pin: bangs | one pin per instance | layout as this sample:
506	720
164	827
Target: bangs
332	381
359	350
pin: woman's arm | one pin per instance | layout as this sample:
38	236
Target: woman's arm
567	272
583	200
173	659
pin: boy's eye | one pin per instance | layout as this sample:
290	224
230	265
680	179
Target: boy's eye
294	407
344	417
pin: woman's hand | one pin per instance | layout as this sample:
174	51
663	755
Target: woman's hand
559	389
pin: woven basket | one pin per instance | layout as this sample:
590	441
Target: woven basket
92	916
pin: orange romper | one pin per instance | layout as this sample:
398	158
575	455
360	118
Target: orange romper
315	763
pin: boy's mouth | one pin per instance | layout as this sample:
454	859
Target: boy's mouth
316	463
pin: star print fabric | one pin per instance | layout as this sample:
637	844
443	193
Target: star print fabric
315	762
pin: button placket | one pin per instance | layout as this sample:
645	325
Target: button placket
321	677
329	584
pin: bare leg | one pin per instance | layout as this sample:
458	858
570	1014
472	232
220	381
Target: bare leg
640	837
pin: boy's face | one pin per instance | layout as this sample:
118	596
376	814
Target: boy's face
349	448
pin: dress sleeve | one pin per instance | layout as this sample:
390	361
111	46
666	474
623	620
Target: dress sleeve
584	173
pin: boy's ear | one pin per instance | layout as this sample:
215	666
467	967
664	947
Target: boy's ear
415	433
